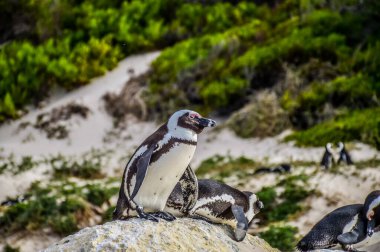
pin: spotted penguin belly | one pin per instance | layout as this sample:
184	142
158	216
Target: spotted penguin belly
162	176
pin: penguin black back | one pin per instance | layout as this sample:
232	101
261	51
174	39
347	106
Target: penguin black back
324	234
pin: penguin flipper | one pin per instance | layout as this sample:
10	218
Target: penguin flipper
349	237
142	167
356	235
189	188
242	222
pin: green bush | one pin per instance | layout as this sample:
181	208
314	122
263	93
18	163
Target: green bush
281	237
223	166
63	206
362	125
279	207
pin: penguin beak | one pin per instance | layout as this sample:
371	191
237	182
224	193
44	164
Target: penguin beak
205	122
370	227
260	204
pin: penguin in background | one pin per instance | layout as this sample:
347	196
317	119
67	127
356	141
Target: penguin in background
352	227
218	203
157	165
328	158
344	156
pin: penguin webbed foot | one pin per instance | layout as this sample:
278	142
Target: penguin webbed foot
164	215
141	214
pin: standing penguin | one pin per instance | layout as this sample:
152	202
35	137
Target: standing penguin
350	226
157	165
328	159
219	203
343	154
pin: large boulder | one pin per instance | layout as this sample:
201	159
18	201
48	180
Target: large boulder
140	235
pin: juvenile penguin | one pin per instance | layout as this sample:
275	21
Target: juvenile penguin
347	226
219	203
343	154
157	165
328	159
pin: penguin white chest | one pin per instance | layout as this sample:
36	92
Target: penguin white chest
163	175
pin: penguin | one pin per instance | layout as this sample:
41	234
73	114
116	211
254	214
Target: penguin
328	159
371	211
157	165
219	203
343	154
350	226
14	201
282	168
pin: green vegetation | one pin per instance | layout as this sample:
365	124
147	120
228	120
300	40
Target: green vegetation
9	248
16	166
363	125
318	59
66	43
319	62
281	237
63	206
87	166
280	207
223	166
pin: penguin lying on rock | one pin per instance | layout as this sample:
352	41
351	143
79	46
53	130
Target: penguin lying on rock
218	203
282	168
157	165
352	226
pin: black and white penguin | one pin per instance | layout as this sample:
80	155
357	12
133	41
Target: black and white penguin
282	168
157	165
371	211
349	226
328	159
219	203
343	154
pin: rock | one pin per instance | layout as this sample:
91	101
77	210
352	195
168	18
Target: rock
140	235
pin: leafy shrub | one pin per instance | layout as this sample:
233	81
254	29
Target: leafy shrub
87	166
64	207
281	237
224	165
279	207
309	107
363	125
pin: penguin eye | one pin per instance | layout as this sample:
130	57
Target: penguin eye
191	116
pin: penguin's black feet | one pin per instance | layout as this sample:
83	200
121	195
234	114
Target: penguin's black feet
144	215
164	215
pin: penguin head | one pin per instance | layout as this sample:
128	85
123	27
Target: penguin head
254	203
189	120
329	147
304	246
372	211
340	146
